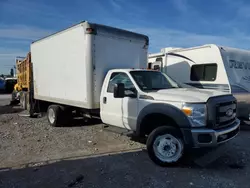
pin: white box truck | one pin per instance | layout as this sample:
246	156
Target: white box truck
96	70
209	67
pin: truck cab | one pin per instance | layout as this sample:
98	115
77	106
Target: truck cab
152	104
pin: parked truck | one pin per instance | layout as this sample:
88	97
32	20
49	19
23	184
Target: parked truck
100	71
209	67
21	88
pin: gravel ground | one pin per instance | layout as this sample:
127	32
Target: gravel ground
33	154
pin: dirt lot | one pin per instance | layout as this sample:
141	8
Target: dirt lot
33	154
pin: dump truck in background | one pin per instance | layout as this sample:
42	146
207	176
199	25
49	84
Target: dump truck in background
98	71
22	88
24	71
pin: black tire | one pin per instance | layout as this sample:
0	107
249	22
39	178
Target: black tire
58	120
67	116
155	134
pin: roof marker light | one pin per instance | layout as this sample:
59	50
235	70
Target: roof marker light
90	30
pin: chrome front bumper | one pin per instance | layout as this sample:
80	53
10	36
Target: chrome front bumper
211	138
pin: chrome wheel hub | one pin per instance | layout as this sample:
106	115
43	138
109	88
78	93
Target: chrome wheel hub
51	116
167	148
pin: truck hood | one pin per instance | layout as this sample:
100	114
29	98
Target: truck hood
190	95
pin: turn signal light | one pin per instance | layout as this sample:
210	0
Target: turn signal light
187	111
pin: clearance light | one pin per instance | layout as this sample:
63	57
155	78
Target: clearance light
90	31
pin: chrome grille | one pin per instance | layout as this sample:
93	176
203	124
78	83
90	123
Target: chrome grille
225	114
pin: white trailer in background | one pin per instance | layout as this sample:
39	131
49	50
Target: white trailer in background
209	67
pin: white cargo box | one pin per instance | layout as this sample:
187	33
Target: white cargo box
69	66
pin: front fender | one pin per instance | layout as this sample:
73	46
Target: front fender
171	111
166	109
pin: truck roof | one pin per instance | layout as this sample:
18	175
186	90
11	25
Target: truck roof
170	49
96	26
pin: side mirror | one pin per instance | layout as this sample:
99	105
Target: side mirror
119	90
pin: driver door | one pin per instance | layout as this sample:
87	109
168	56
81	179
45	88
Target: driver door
120	112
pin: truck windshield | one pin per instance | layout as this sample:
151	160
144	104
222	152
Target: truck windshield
153	80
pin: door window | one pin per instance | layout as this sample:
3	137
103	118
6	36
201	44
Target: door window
120	77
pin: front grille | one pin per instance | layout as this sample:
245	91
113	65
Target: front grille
218	111
225	114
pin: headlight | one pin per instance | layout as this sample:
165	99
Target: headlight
196	113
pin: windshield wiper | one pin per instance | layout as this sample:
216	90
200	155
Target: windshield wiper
159	88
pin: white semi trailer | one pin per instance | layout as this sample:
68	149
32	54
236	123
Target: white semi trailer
97	71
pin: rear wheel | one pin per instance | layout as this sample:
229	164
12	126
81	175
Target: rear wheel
165	146
54	115
59	115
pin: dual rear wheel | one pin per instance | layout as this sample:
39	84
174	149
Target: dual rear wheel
58	115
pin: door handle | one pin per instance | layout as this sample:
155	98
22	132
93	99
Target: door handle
104	100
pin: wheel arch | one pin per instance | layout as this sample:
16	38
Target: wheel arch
162	112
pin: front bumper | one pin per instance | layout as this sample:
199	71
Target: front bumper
211	138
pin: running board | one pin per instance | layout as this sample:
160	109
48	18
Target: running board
117	130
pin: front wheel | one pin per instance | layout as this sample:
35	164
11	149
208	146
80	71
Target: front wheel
165	146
